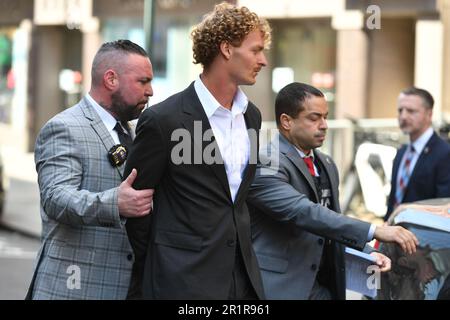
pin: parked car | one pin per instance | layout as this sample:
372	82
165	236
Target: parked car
424	275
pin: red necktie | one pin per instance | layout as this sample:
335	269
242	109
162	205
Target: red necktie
309	164
405	174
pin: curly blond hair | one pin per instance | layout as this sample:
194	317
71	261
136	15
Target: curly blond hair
225	23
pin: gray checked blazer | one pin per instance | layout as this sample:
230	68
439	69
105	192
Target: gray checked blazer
85	252
289	226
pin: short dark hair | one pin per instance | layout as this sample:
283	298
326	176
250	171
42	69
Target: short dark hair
111	54
290	99
123	45
427	98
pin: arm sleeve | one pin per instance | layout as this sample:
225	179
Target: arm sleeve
59	164
272	193
149	157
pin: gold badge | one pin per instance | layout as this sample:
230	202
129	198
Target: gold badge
117	155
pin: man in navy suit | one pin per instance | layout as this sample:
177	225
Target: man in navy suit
421	168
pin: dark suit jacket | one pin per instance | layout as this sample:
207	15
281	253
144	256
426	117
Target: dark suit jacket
190	243
431	175
289	226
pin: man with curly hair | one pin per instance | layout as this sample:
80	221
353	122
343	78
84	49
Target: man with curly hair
197	243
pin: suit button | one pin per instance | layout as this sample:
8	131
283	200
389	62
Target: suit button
313	267
130	257
320	241
230	243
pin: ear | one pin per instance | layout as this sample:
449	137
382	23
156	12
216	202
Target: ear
285	121
225	49
110	79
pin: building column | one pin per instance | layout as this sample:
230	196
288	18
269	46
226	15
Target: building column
444	7
91	43
428	61
48	60
351	64
351	80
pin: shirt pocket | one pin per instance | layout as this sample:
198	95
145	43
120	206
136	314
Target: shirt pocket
64	252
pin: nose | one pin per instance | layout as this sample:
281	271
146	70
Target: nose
149	90
324	124
262	59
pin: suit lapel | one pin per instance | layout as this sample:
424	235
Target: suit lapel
251	122
99	128
327	165
292	154
422	161
193	116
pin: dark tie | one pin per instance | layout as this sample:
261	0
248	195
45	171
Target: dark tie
405	174
124	138
310	165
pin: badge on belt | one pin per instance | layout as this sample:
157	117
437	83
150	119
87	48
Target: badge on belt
117	155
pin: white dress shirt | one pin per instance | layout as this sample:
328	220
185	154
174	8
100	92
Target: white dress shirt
230	132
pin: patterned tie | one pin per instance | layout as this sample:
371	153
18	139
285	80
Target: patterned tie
124	138
310	165
405	174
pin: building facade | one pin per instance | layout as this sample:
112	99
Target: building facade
360	53
368	50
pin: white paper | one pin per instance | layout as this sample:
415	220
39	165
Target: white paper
357	273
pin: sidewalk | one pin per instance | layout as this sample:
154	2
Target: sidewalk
21	209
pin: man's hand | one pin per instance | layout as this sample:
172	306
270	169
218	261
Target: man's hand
404	238
134	203
382	261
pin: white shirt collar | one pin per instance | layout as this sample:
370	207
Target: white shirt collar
422	141
210	104
303	155
105	116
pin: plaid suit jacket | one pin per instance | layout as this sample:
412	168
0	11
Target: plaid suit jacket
85	252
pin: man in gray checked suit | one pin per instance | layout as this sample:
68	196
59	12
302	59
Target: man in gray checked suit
297	233
85	252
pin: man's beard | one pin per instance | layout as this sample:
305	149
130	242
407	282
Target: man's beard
124	111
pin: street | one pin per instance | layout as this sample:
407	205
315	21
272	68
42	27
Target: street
20	226
17	254
21	212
